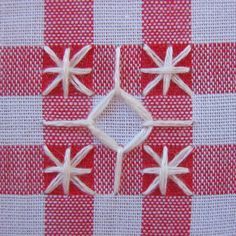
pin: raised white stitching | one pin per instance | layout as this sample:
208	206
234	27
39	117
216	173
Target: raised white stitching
168	123
167	170
67	71
68	171
167	70
132	102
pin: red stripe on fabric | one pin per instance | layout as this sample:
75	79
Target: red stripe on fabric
214	68
21	170
178	136
104	171
166	21
130	69
20	70
214	170
58	108
131	179
104	64
69	215
169	107
103	69
104	168
68	22
166	216
67	136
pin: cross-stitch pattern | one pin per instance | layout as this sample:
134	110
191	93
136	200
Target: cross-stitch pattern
117	117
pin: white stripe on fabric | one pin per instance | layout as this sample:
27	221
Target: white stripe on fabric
21	215
214	117
21	22
21	120
117	215
118	22
213	215
213	21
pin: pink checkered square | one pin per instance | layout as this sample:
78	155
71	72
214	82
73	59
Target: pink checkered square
214	68
21	170
56	107
166	216
69	215
59	16
21	69
166	21
214	170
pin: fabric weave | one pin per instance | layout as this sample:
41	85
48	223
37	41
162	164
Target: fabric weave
209	27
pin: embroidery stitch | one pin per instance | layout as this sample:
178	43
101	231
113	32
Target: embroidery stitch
68	170
136	105
67	71
167	70
168	123
167	170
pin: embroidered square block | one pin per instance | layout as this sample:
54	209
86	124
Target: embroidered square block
117	117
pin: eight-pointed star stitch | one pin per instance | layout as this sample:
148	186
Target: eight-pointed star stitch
167	70
67	71
167	170
68	171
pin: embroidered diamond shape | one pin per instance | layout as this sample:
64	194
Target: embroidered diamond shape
106	139
118	120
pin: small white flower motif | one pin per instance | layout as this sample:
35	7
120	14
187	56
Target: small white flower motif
67	71
68	171
167	170
167	70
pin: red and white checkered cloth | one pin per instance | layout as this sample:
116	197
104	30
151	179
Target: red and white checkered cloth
209	26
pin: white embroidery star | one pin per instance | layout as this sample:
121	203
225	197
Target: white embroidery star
67	171
167	170
67	71
167	70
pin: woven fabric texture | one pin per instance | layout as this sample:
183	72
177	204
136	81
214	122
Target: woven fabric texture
208	27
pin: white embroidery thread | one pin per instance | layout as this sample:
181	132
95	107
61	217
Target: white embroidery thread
68	171
67	71
105	139
168	123
167	70
167	170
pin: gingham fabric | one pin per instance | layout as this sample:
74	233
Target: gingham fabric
208	26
